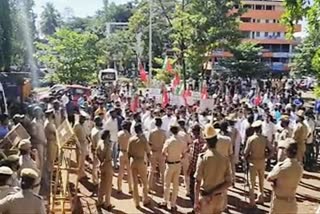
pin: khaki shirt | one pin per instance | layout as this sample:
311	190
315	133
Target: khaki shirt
224	146
123	140
7	190
138	146
174	149
300	133
157	138
213	169
24	201
284	134
256	147
287	176
38	135
50	130
104	152
80	132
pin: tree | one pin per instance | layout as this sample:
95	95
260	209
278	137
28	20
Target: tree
72	55
5	36
305	52
50	19
246	61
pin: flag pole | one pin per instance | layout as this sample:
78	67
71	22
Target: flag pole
150	40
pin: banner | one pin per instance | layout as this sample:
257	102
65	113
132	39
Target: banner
206	104
177	100
156	93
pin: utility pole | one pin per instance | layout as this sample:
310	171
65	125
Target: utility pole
150	40
182	54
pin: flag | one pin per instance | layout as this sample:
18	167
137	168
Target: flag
204	92
176	80
143	73
134	104
167	66
165	98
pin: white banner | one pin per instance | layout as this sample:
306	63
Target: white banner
177	100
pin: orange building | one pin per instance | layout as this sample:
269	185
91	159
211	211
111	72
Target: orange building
261	24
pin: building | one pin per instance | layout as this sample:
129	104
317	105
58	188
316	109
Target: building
261	25
112	27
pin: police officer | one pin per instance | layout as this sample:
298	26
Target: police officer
123	140
285	178
138	148
29	159
213	176
12	161
300	135
157	139
5	176
52	145
104	154
95	137
24	201
255	154
174	150
82	152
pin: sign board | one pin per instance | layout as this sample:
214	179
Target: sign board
108	75
206	104
177	100
156	93
12	139
64	133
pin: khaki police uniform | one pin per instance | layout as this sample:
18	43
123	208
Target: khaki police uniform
225	148
174	150
104	154
123	140
255	153
157	139
286	177
52	145
95	137
137	149
300	135
6	189
82	152
24	201
212	170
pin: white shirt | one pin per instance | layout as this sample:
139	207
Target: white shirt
167	122
311	126
268	130
112	126
65	100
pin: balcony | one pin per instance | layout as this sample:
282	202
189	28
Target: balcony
263	14
266	27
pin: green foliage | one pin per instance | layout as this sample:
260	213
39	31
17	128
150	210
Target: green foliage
50	19
118	47
73	56
5	36
202	26
246	61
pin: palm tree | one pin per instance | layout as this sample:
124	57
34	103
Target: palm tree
50	19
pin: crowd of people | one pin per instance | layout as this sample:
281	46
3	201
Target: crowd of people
253	126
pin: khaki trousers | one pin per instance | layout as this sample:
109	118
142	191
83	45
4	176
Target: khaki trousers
256	168
81	158
185	166
301	151
124	165
171	175
40	147
212	204
52	153
105	185
95	164
139	168
157	159
283	207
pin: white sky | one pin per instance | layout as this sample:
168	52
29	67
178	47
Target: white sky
80	8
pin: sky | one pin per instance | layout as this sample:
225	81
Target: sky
81	8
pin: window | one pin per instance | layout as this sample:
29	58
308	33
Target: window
253	20
258	20
278	34
266	34
267	20
247	6
246	34
245	19
253	35
258	7
258	34
269	7
274	21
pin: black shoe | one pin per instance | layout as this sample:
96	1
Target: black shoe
174	209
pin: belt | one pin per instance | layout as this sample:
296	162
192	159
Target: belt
205	194
175	162
138	158
288	199
123	150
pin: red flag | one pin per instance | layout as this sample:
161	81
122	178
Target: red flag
204	92
165	98
176	80
143	73
167	66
